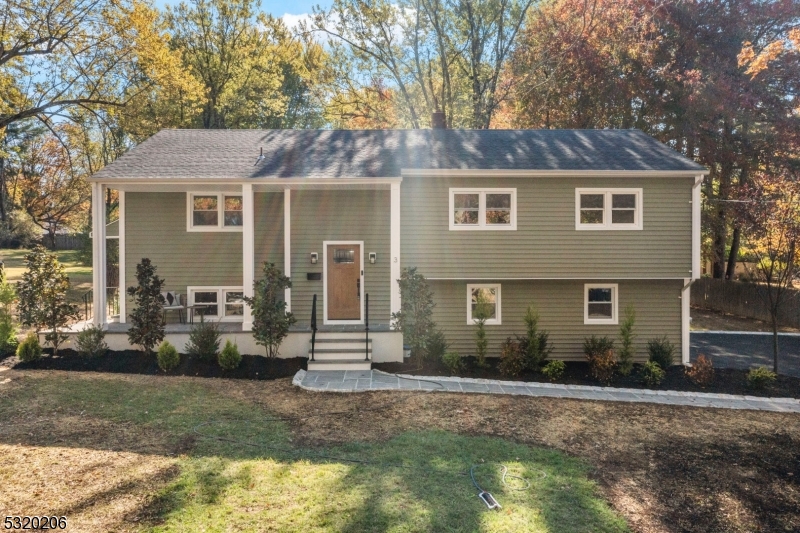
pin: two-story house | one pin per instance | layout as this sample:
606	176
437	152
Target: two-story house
579	223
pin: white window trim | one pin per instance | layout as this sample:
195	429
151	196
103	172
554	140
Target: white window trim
491	322
614	303
220	212
607	225
481	225
220	290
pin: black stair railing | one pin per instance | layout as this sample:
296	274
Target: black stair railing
366	326
313	324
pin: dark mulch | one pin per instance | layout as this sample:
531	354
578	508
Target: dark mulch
726	380
136	362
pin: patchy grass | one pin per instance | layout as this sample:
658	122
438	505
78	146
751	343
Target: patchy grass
122	454
80	276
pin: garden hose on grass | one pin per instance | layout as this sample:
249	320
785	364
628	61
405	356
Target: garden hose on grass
485	496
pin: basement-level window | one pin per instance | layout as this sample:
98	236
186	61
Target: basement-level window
483	209
217	303
608	209
483	299
600	303
214	212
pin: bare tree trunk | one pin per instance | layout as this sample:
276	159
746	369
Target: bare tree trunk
774	341
733	256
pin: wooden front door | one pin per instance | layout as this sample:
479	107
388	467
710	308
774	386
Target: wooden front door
344	282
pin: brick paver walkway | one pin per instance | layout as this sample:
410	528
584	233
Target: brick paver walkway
375	380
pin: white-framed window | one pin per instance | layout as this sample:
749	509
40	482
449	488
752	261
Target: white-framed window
483	298
214	212
608	209
483	209
217	303
600	303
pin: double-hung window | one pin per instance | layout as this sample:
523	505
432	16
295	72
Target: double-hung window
217	303
608	209
483	209
600	303
214	212
483	301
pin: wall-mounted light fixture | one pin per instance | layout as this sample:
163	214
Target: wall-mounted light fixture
314	258
373	257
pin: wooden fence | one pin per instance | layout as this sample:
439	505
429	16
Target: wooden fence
743	299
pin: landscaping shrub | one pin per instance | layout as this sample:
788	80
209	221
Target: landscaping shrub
147	322
29	349
271	322
436	345
661	352
535	345
600	354
42	295
480	315
760	377
91	342
204	341
229	358
512	358
8	330
554	369
168	356
653	374
702	371
415	318
626	337
453	362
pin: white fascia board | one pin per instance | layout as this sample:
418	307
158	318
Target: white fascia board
115	182
493	173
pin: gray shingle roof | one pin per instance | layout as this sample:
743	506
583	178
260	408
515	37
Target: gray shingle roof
215	154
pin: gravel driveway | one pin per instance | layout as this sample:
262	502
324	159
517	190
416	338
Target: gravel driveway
744	350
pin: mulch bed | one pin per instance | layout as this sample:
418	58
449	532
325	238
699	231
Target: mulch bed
726	380
135	362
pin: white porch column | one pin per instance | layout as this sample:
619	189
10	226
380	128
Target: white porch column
287	244
248	251
121	274
98	254
394	289
698	180
686	320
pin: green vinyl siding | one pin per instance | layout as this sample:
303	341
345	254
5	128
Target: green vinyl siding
546	243
340	215
156	228
560	307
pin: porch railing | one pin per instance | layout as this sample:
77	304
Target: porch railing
313	324
112	303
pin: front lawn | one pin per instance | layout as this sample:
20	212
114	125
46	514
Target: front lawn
71	442
80	276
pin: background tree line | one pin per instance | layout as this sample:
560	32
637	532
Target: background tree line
82	81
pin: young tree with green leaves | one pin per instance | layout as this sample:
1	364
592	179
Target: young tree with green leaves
626	337
42	295
147	317
481	312
271	322
415	318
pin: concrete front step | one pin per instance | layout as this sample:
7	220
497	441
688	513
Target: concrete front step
351	346
339	354
339	364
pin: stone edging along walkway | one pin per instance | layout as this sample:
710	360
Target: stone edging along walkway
375	380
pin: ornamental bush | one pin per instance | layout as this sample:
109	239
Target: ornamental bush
204	341
168	356
436	345
661	352
760	377
652	374
512	358
415	319
91	342
29	349
271	322
147	320
600	354
535	345
229	358
702	371
626	337
453	362
554	369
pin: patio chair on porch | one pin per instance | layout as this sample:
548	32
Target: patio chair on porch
174	302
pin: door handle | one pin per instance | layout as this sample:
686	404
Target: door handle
358	288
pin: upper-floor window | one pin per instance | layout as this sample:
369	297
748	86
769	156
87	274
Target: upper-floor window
483	209
214	212
608	209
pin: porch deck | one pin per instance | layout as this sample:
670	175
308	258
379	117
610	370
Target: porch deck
236	327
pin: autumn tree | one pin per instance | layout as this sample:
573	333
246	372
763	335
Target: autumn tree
769	213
